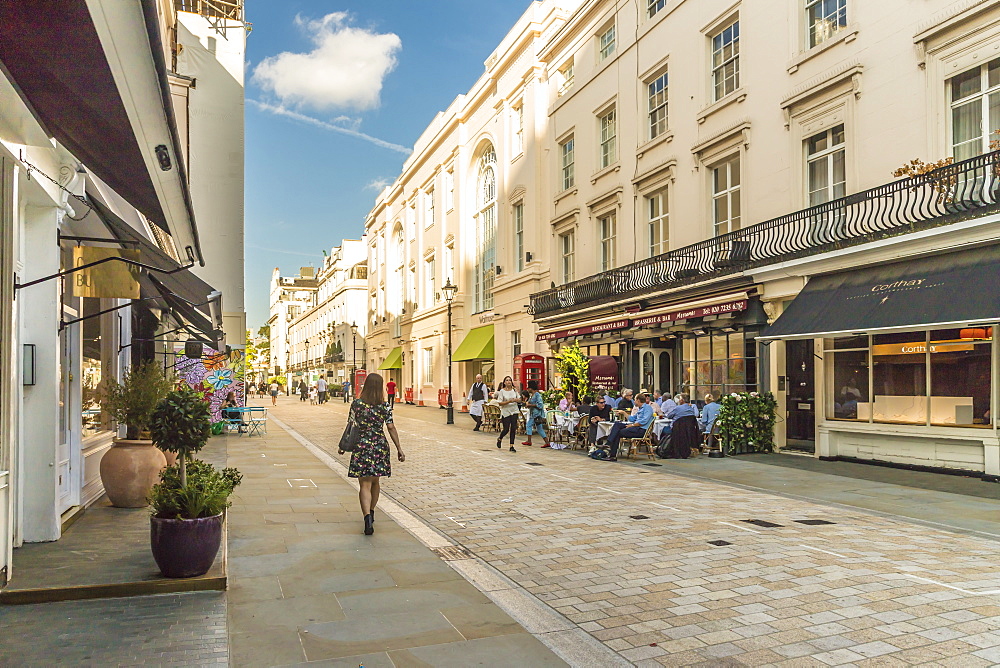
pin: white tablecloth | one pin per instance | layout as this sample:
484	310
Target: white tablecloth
604	428
567	422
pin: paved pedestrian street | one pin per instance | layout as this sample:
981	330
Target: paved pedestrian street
668	569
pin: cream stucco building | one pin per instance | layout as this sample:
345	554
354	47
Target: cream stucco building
658	181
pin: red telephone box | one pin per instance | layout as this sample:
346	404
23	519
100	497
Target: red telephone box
359	381
529	366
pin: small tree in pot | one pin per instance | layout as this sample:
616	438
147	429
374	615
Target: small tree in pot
191	497
130	468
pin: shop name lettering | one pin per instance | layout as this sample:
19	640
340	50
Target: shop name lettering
692	313
899	284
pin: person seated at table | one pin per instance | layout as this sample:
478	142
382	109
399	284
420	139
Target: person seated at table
657	408
610	400
657	397
684	431
567	403
626	403
231	410
709	413
584	407
667	403
599	412
635	429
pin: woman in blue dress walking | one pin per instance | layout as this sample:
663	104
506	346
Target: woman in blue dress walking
370	461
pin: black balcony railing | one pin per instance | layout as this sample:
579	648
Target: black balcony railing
966	189
217	9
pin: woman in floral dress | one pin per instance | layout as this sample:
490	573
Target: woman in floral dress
370	461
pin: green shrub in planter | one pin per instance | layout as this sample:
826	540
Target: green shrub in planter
132	402
746	422
181	423
206	494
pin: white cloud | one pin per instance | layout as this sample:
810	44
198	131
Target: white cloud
345	70
378	184
350	131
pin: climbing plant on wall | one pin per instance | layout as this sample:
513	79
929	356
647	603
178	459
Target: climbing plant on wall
574	367
746	422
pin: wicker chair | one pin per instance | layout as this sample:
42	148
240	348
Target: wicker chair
633	445
491	418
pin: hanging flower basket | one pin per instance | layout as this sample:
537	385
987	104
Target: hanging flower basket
746	422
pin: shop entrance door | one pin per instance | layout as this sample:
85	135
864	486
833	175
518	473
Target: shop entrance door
800	426
654	370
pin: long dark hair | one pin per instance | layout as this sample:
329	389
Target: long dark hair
373	391
533	385
503	383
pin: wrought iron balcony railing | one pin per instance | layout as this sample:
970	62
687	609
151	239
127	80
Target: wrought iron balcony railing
959	191
220	9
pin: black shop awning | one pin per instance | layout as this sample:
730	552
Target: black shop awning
939	291
94	75
188	315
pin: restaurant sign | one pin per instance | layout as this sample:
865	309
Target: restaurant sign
604	373
581	331
714	309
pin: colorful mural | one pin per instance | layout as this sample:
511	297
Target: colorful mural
215	375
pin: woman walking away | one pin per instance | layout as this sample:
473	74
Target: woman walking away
536	418
370	461
507	397
274	394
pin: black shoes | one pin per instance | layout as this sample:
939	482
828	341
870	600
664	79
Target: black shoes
511	448
369	524
499	444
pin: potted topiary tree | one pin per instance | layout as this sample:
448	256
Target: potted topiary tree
190	500
132	466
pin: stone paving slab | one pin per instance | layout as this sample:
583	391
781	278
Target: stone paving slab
865	589
307	586
105	553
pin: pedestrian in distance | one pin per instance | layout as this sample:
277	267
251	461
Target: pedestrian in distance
275	388
536	415
478	394
390	389
347	391
507	397
370	462
303	390
321	389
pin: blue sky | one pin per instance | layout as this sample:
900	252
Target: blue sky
319	76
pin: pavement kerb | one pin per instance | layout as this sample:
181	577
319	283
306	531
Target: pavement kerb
562	636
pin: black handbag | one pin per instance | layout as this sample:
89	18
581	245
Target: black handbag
352	435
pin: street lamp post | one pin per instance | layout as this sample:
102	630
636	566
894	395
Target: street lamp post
449	291
354	356
307	359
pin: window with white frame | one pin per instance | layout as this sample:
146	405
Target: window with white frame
517	129
824	18
567	156
428	366
486	233
609	132
656	93
567	252
975	109
519	236
658	222
449	190
726	60
430	281
515	343
726	206
653	6
606	44
826	174
412	288
606	226
449	263
429	207
566	77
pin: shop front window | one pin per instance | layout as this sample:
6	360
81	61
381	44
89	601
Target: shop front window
941	377
648	371
93	365
719	363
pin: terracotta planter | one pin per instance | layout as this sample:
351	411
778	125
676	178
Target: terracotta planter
171	457
129	470
185	548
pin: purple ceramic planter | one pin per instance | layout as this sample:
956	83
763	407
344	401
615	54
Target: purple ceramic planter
185	548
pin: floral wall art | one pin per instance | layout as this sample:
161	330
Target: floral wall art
215	375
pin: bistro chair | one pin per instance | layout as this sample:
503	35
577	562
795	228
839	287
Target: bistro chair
491	418
634	445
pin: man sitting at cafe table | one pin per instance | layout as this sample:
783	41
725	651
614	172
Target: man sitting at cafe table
634	429
599	412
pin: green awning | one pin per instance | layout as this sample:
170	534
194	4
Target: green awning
393	361
478	345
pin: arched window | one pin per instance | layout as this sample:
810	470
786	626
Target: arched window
486	231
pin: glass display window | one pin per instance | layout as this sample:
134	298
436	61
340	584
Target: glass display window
960	377
719	362
899	377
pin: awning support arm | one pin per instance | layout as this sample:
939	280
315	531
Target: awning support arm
133	263
63	324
